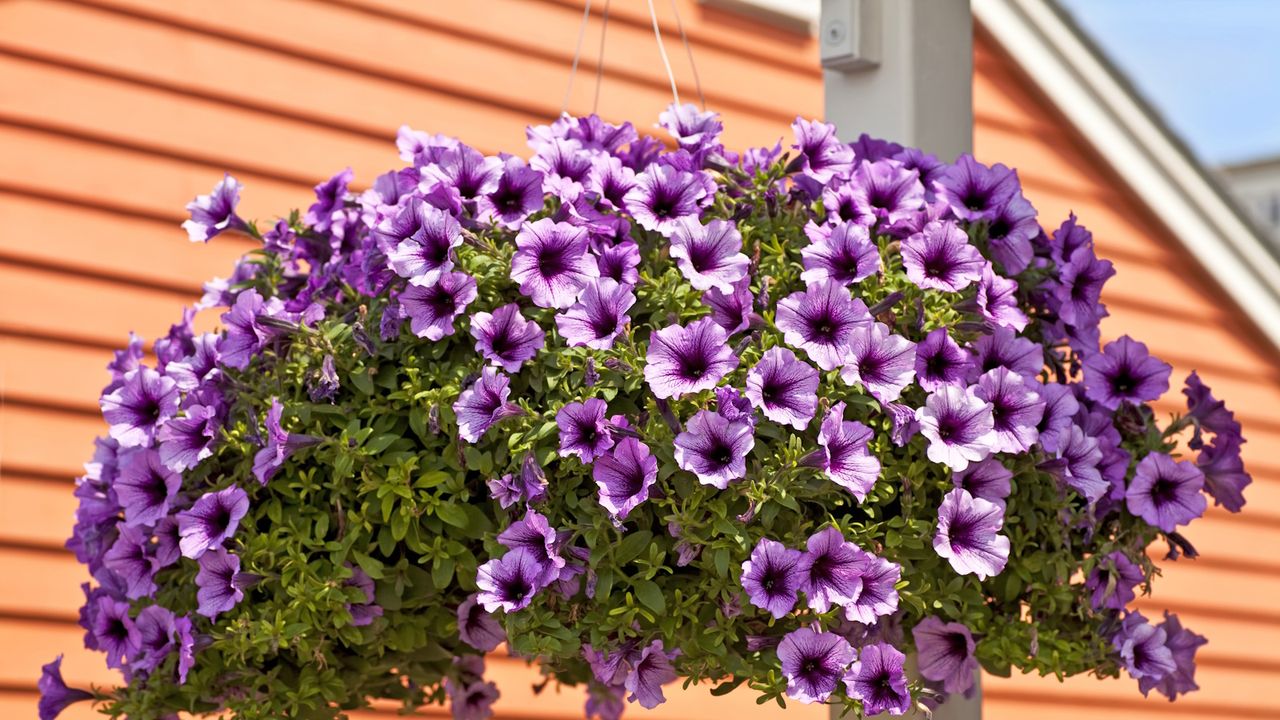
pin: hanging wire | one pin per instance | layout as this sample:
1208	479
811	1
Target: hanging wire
653	15
688	49
604	28
577	53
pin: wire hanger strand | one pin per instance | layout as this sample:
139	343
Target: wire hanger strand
577	54
604	28
662	50
688	49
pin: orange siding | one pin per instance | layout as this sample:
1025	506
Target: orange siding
114	113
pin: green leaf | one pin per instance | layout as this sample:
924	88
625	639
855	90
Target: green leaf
632	545
651	595
452	514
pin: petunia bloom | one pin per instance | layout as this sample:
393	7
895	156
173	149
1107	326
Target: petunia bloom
483	404
974	191
478	628
968	535
432	310
131	560
428	253
784	388
136	410
885	192
1224	475
835	569
959	425
598	316
651	670
946	654
279	446
997	300
584	431
733	310
113	631
625	476
185	441
709	256
814	663
551	263
683	360
821	154
506	338
663	195
842	253
55	696
988	480
773	576
883	362
714	448
940	361
510	582
1125	372
878	678
217	589
215	213
1165	492
145	487
1005	348
1182	645
1016	409
845	457
1143	649
1112	580
821	320
940	257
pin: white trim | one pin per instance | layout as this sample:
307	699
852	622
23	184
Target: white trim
1163	175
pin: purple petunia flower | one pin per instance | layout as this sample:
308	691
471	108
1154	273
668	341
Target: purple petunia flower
663	195
218	590
187	440
883	362
197	367
1208	412
813	663
619	262
1166	492
510	582
1003	348
822	155
714	449
1224	475
564	167
843	253
428	252
609	181
478	628
625	476
185	640
940	361
784	388
113	631
846	459
959	426
326	213
732	310
145	487
709	256
432	310
534	533
551	263
821	321
55	696
245	334
1060	407
1077	466
885	192
683	360
1078	289
156	634
1112	581
939	257
1125	372
773	575
598	316
517	195
968	536
473	701
216	212
131	561
835	568
946	654
651	670
1143	649
211	520
1016	409
1182	645
527	486
483	404
997	300
692	130
465	170
1009	234
505	338
584	431
974	191
989	480
136	410
879	680
733	406
279	446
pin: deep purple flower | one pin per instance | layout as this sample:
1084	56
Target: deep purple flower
1112	581
132	562
883	362
1016	409
732	310
814	663
974	191
551	263
473	701
114	631
784	388
709	256
714	448
244	336
843	253
428	252
518	195
534	533
1182	645
1224	475
692	130
279	446
968	536
1143	649
1078	289
989	480
773	576
997	300
885	192
650	671
822	154
940	361
432	310
211	520
510	582
946	654
835	568
1060	407
663	195
847	460
136	410
619	262
598	316
55	696
625	476
185	441
218	590
1208	412
145	487
821	321
216	212
939	257
879	680
483	404
683	360
478	628
1166	492
1009	234
584	431
1003	348
733	406
156	633
1125	372
959	425
1079	457
505	338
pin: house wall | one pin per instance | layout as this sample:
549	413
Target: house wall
114	113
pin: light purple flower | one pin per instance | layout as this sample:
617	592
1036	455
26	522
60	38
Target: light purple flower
564	167
584	431
885	192
618	262
1182	645
428	253
551	263
1112	581
835	568
1078	289
709	256
187	440
974	191
714	448
733	406
433	310
509	583
505	338
651	670
821	153
784	388
217	589
156	633
625	476
534	533
279	446
1003	348
1016	409
132	562
842	253
773	576
478	628
683	360
968	536
879	680
1166	492
211	520
663	195
1009	234
692	130
959	426
732	310
846	459
517	196
483	404
940	361
465	170
1143	649
1077	466
1060	407
145	487
989	480
998	300
821	321
813	663
883	362
598	316
945	651
136	410
216	212
939	257
1125	372
198	367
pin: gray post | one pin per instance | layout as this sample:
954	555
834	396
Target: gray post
900	70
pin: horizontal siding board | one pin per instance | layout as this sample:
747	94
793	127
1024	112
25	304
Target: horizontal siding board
46	443
35	512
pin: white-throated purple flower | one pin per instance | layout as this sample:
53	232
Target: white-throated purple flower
428	252
279	446
564	167
551	263
687	359
465	170
1112	580
821	321
988	479
1003	348
882	361
709	256
136	410
478	628
821	155
1224	475
534	533
959	426
845	457
113	631
1016	409
714	449
131	560
784	388
1182	645
1077	464
997	300
619	261
1060	407
835	570
598	316
1166	492
884	192
940	257
217	589
773	576
216	212
879	596
517	196
584	431
185	441
1125	372
1009	234
732	310
506	338
483	404
651	670
842	253
211	520
55	696
433	310
693	130
968	535
974	191
609	181
145	487
625	476
509	583
1143	649
663	195
814	663
878	678
945	652
940	361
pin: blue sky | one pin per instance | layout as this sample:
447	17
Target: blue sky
1211	67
